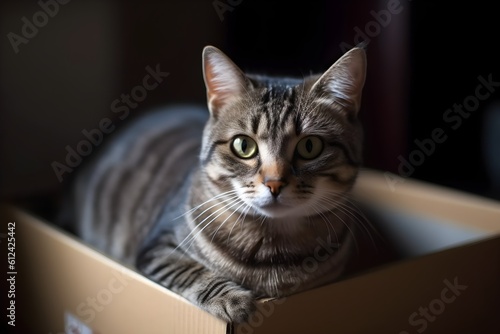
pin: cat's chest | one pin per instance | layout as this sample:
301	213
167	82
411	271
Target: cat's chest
265	261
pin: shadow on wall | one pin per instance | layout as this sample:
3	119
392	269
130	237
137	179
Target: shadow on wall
491	146
71	69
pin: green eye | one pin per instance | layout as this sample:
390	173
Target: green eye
309	147
244	147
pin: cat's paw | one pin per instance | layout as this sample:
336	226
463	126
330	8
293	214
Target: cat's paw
229	302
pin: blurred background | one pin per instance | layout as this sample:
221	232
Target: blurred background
67	65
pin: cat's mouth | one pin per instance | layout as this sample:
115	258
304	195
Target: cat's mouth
275	209
281	206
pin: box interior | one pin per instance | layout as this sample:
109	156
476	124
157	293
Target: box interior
435	230
420	234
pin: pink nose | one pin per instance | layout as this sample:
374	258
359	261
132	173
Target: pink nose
275	186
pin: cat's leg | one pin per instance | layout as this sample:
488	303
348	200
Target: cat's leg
171	268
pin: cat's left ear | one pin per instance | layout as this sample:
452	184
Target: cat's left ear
343	82
223	79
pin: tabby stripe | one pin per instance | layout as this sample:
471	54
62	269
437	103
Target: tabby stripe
165	276
98	205
163	149
265	98
167	155
159	267
241	124
265	107
144	257
154	200
225	311
222	294
298	125
211	149
172	281
157	245
105	210
273	116
346	152
116	198
146	253
167	244
215	292
202	298
193	276
221	179
255	123
233	165
276	116
289	108
138	158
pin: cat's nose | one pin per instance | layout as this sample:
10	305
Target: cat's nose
275	186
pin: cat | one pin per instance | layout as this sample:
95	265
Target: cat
224	206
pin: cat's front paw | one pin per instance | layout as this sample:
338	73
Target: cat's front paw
228	301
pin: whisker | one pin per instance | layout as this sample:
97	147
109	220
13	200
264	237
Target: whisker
224	209
224	221
361	218
230	199
210	200
262	219
194	233
344	223
242	213
345	204
327	222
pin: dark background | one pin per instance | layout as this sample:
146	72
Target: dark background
426	58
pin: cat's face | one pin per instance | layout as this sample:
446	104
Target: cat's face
282	147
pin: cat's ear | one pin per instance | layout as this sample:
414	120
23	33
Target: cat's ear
223	79
343	82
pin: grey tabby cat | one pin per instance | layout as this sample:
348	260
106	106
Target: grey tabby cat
224	207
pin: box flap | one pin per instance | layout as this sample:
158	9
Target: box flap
454	291
59	274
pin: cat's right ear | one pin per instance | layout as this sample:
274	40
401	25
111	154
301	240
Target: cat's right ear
223	79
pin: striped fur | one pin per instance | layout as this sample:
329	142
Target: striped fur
172	196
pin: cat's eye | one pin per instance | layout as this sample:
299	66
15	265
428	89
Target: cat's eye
244	147
309	147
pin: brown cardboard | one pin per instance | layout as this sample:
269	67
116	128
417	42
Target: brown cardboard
61	274
457	283
383	301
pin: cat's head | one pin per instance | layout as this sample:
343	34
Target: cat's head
285	147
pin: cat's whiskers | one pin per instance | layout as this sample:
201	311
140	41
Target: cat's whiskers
330	210
339	206
327	222
358	214
241	203
338	202
262	220
243	214
212	218
195	232
226	200
221	195
170	217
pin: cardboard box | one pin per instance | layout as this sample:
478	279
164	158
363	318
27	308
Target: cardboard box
449	281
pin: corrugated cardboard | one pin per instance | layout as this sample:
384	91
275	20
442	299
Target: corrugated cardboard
448	282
